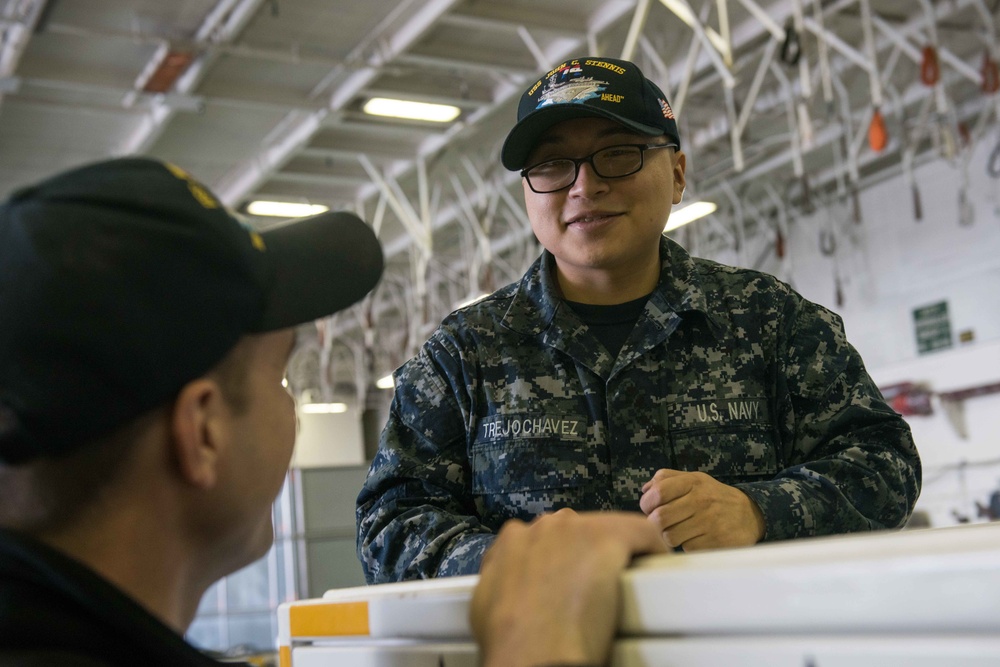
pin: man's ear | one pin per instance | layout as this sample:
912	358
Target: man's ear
680	164
198	429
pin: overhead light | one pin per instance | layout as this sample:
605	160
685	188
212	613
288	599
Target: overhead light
284	209
436	113
323	408
385	383
689	213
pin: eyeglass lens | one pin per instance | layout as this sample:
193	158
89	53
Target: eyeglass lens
610	162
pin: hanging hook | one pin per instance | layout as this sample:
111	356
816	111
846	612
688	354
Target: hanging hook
993	164
791	48
827	243
855	204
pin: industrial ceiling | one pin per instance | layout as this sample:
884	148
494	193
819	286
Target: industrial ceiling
781	106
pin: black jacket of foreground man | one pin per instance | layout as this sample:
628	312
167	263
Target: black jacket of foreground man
55	611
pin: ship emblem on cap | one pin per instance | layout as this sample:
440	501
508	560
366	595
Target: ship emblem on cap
567	85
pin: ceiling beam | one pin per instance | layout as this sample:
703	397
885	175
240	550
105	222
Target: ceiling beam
226	20
16	33
300	129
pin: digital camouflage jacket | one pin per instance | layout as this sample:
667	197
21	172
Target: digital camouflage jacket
512	409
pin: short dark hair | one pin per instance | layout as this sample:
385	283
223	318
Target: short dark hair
49	493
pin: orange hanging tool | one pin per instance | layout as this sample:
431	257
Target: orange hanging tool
930	68
877	135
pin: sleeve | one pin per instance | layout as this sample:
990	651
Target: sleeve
416	517
851	464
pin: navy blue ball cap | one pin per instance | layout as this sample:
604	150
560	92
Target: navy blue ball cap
587	87
122	281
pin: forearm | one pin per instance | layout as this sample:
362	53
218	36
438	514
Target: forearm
405	535
850	461
860	488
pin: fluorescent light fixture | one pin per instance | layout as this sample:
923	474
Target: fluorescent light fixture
436	113
689	213
323	408
385	383
284	209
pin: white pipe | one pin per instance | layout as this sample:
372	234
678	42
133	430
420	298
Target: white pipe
256	169
635	28
16	37
824	53
734	130
684	12
536	51
793	126
686	76
222	24
711	49
798	21
722	9
765	19
755	85
867	28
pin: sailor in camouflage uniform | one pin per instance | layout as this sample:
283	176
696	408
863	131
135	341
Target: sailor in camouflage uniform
621	373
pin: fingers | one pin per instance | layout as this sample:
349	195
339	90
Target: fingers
565	561
661	474
634	532
696	511
666	486
685	533
672	514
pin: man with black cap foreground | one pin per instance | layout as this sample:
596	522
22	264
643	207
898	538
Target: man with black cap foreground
621	373
144	428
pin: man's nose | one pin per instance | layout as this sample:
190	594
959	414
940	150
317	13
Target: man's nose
587	182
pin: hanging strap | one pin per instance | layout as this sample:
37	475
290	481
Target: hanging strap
991	75
930	67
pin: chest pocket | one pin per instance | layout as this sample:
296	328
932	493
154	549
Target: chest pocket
732	440
535	470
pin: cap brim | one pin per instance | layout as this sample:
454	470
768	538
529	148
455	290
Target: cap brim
318	265
524	136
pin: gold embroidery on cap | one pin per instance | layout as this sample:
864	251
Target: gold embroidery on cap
198	191
258	241
617	69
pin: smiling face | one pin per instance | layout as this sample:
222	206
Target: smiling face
604	233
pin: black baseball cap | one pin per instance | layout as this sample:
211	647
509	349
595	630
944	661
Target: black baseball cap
122	281
583	87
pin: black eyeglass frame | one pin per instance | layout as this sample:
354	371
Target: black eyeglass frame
577	162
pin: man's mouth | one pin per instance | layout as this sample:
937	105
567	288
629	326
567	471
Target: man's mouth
592	218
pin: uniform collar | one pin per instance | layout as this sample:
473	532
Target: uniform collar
536	301
680	288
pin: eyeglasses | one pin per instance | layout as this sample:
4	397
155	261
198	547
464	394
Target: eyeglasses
611	162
